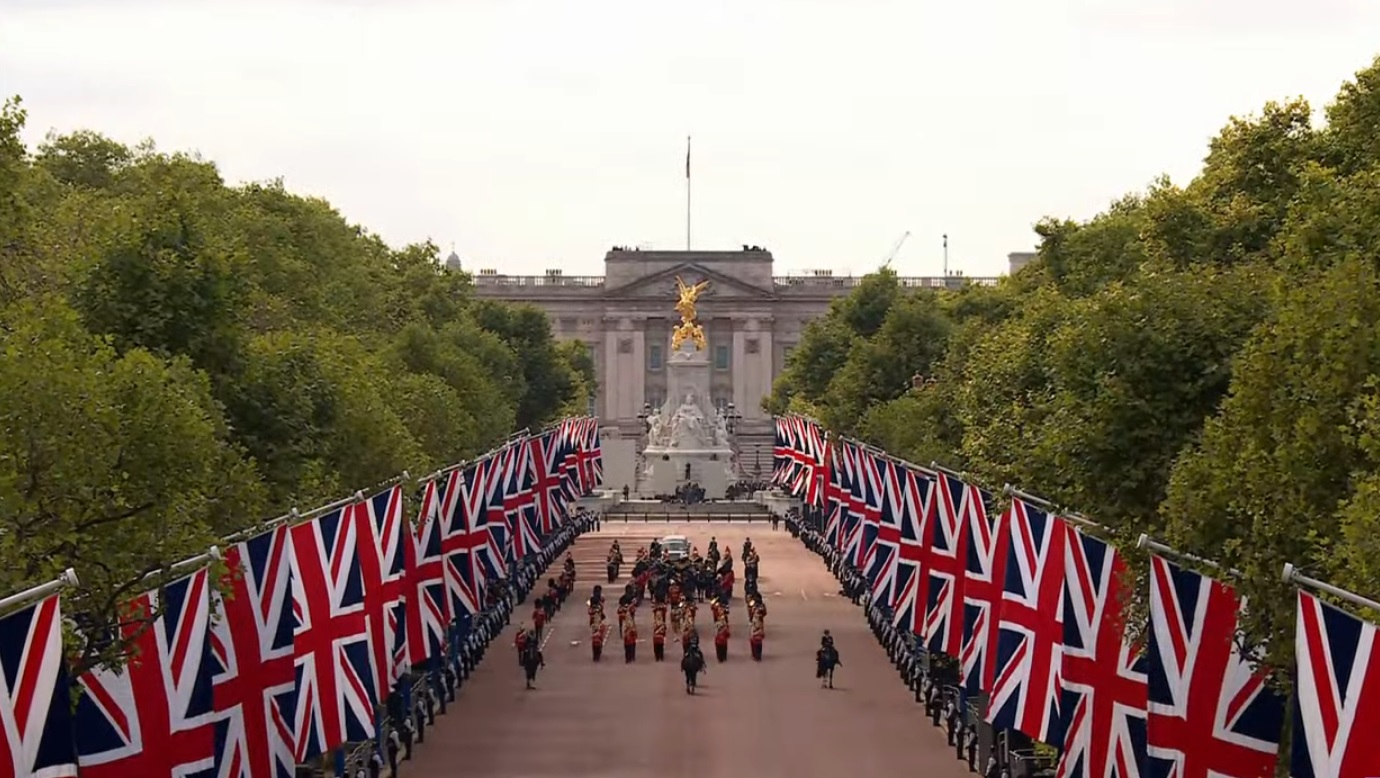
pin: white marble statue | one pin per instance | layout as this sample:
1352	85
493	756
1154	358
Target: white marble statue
656	430
721	432
687	426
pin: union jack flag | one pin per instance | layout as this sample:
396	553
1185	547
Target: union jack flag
495	517
983	576
835	499
946	561
520	501
867	496
385	554
782	465
880	567
818	453
35	722
1209	711
550	492
1337	696
429	612
911	580
1104	673
471	544
251	650
1030	624
570	449
851	504
590	455
333	655
154	716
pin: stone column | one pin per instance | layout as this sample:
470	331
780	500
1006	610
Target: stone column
762	367
741	369
608	380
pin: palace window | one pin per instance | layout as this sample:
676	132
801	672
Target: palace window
654	357
721	357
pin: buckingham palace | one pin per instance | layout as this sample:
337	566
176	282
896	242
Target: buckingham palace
751	318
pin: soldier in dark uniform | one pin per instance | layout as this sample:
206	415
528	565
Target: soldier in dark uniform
598	630
659	631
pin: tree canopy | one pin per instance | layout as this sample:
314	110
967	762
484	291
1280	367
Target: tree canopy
1199	362
181	358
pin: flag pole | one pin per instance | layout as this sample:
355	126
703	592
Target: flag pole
687	192
68	578
1293	576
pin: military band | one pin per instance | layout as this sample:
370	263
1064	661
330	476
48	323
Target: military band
722	632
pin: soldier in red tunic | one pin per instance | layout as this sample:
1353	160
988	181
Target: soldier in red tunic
659	631
622	617
538	621
757	632
597	630
687	623
520	642
721	631
629	639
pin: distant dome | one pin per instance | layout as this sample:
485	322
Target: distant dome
453	261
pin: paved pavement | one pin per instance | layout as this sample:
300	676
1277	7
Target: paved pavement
615	720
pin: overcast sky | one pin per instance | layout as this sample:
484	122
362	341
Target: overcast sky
536	134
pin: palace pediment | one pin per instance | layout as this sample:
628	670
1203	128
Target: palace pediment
661	285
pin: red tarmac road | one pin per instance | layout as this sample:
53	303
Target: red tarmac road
761	720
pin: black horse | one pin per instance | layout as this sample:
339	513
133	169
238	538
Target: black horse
692	664
532	659
826	659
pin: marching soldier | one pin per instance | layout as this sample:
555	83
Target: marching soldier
520	641
615	561
538	619
598	629
630	637
757	632
721	631
659	632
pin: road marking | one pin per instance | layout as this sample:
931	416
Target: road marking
803	596
830	594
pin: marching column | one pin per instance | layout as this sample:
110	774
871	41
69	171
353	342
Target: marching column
659	631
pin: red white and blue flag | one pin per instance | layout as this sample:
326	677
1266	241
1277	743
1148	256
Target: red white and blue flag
1104	676
1209	711
1030	626
385	555
911	580
332	646
946	562
474	540
983	577
591	455
547	469
501	549
252	660
154	716
884	550
35	720
869	494
520	501
1337	694
429	612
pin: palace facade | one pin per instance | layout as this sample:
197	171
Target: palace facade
751	318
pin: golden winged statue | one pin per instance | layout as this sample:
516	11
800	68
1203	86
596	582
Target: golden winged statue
685	306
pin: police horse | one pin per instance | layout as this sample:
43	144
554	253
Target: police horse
531	659
826	659
692	664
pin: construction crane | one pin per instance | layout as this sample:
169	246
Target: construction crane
895	249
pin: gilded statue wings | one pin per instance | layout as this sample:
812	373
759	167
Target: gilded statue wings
688	293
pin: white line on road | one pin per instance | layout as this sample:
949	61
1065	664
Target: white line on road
803	595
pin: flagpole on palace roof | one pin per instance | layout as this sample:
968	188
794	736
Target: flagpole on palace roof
687	192
1293	576
68	578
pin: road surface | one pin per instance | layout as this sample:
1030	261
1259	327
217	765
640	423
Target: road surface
760	720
